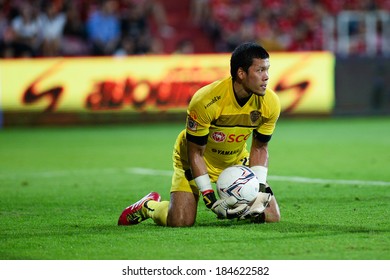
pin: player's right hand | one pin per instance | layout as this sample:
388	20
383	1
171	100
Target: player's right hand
227	208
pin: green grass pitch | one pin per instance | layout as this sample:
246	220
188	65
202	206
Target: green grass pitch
62	190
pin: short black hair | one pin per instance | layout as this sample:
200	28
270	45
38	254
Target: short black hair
243	57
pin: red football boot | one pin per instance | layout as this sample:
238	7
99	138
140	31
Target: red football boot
133	215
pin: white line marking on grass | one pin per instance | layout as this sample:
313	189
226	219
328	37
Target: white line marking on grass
327	181
155	172
145	171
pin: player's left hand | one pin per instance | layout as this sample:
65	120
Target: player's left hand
258	206
227	208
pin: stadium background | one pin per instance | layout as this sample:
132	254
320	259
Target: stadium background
61	38
63	186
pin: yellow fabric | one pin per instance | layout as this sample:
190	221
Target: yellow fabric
158	211
180	163
214	111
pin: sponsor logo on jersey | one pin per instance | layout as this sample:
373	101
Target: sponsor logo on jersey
225	152
254	115
218	136
215	99
238	138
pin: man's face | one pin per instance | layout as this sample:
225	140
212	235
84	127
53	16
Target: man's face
256	79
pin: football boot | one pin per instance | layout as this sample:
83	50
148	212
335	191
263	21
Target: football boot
133	214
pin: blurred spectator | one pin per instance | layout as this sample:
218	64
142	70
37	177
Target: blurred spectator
277	24
127	46
200	11
52	21
5	32
134	27
136	19
357	38
157	46
26	28
144	43
74	40
103	28
184	46
229	17
126	27
155	10
267	33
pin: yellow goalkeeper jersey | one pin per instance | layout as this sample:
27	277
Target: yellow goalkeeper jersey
214	111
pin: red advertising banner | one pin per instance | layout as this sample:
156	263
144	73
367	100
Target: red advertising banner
303	81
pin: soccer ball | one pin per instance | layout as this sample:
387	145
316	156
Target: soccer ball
238	181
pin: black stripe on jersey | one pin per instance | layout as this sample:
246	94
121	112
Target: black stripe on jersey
235	125
241	120
261	137
199	140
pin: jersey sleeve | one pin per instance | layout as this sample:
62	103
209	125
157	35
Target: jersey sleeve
198	117
270	113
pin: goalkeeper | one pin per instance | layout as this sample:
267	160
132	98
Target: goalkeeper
220	118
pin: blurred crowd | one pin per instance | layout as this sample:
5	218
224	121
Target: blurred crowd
31	28
42	28
279	25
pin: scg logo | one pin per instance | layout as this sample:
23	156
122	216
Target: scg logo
238	138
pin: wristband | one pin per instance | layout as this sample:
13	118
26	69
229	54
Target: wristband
209	198
261	173
203	183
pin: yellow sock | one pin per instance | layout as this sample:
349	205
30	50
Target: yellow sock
158	211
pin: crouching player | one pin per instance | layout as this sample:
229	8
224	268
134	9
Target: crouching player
221	117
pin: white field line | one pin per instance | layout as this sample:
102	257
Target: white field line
146	171
155	172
